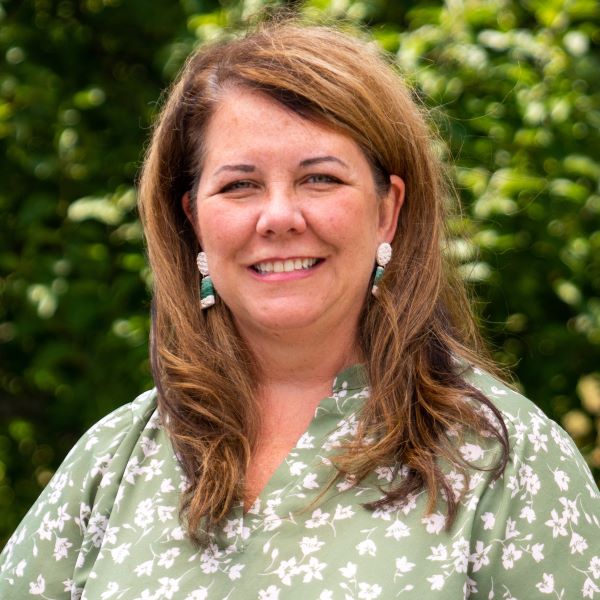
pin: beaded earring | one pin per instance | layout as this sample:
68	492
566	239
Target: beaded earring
384	255
207	291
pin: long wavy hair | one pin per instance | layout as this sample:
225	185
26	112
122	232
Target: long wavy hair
413	335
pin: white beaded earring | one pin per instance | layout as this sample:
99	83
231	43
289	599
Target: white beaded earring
384	255
207	290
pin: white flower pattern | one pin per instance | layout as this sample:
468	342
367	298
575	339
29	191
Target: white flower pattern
109	520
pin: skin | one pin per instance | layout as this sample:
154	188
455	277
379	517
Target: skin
275	186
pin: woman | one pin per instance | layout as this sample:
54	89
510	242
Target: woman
294	169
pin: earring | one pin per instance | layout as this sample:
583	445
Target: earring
384	255
207	291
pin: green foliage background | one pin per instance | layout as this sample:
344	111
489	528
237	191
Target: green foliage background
514	91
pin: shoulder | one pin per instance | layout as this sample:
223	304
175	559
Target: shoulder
534	437
115	433
103	451
84	485
507	400
104	448
137	412
536	527
543	460
519	413
134	415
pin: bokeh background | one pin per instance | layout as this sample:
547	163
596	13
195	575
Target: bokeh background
513	89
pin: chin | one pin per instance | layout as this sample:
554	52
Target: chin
287	321
277	316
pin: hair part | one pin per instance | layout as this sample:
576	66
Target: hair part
410	336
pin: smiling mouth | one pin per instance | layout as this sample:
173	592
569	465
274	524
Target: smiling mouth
286	266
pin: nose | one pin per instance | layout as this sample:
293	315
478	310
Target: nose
281	214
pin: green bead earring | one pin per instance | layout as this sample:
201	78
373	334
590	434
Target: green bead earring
384	255
207	291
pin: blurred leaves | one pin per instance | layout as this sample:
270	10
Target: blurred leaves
512	89
511	86
78	92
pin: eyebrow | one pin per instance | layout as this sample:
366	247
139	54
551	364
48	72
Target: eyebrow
308	162
243	168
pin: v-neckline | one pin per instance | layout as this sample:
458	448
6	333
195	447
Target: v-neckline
343	402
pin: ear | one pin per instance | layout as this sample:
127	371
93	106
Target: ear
186	205
389	209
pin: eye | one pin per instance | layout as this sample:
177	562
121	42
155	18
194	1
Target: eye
236	185
321	178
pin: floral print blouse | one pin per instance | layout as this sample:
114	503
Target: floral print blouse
107	526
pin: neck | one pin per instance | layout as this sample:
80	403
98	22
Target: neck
301	360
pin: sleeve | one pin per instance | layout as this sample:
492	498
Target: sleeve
537	529
70	515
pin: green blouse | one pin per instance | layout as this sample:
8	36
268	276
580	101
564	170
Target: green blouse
107	525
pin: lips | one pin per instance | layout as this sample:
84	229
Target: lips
285	266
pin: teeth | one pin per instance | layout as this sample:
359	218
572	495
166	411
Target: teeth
285	266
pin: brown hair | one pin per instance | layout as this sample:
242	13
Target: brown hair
412	336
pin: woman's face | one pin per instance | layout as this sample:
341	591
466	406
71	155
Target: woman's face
289	218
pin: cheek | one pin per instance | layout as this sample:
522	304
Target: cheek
222	231
351	225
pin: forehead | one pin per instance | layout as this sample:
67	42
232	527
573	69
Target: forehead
248	121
